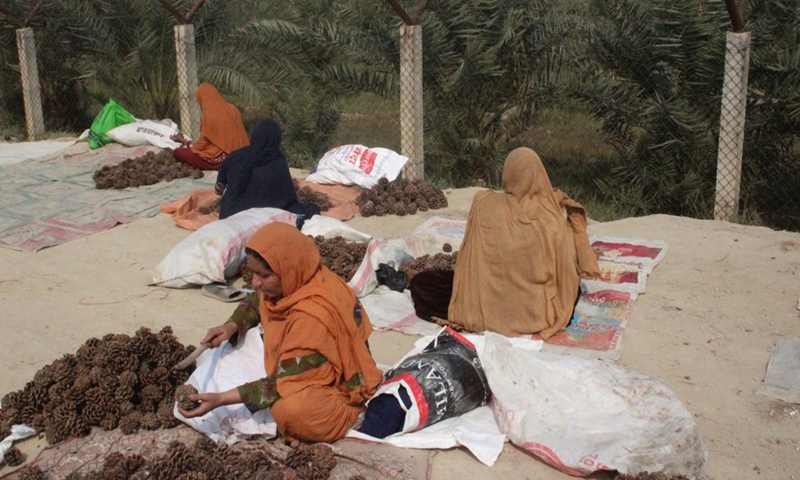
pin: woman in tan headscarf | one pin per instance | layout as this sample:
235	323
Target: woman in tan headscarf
320	372
524	251
221	131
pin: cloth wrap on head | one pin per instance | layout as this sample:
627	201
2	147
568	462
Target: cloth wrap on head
258	175
519	266
221	128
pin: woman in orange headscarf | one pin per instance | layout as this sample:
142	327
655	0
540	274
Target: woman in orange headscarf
519	267
221	131
320	372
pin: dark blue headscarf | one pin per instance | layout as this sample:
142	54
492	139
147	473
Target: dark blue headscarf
258	175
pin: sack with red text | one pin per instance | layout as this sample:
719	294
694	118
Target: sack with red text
444	380
357	165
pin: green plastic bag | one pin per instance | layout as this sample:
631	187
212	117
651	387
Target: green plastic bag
111	116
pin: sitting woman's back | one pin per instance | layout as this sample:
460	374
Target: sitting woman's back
258	175
519	266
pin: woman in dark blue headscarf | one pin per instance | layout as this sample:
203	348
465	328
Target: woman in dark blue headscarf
258	176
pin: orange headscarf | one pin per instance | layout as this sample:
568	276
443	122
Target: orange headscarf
519	266
221	126
311	289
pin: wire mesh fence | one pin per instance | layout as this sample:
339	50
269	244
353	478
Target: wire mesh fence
186	68
31	90
411	102
746	184
732	123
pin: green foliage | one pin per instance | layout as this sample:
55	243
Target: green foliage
64	101
575	154
489	66
653	78
771	177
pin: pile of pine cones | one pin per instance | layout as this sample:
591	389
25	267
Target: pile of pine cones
118	381
306	195
342	257
401	197
437	261
147	169
205	459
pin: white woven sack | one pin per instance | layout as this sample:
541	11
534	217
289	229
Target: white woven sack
215	252
146	132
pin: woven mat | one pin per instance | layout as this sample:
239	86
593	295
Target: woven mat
52	200
354	457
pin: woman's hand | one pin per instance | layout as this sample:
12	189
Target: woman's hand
215	336
178	137
210	401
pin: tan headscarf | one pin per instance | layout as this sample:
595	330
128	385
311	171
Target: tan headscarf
221	126
311	289
519	266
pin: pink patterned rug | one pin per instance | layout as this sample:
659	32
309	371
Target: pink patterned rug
354	458
53	200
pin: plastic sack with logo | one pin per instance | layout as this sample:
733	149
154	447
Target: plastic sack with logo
444	380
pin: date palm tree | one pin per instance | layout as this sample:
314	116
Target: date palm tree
654	79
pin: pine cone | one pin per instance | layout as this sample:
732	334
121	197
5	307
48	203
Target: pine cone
160	374
123	393
205	444
129	424
14	457
181	454
150	421
44	377
13	400
312	462
132	463
165	415
63	423
367	209
131	378
114	460
126	407
182	397
109	422
37	422
31	473
93	413
56	391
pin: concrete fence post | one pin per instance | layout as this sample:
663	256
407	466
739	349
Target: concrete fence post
31	90
186	58
731	127
411	102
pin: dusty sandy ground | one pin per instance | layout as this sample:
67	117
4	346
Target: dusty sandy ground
707	325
